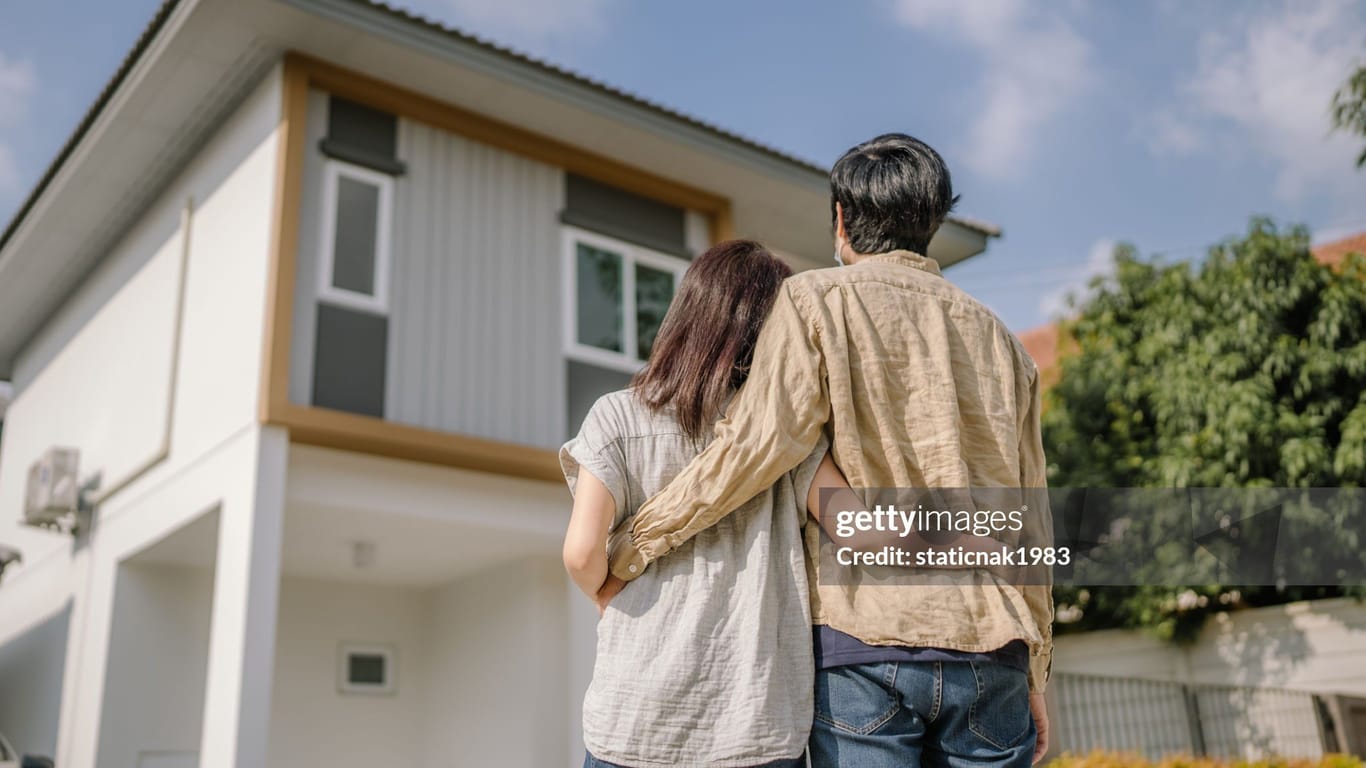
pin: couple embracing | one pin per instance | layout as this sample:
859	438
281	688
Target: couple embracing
696	502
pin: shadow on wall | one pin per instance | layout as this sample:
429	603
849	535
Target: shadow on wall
1253	681
31	668
1301	645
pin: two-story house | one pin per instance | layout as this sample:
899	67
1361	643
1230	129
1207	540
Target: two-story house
314	292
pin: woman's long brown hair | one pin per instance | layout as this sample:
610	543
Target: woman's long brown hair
705	345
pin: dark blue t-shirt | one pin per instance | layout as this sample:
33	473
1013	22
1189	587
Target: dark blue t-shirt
836	649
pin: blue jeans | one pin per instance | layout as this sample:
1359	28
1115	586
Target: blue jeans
797	762
934	714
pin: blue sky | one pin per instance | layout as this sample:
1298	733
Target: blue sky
1072	124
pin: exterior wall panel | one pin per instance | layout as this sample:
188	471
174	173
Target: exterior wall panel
1319	645
97	376
474	346
474	313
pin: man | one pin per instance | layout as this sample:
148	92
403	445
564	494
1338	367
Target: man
918	386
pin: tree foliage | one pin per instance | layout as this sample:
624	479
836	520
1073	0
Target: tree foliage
1349	108
1246	370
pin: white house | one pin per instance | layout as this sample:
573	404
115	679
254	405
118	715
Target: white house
314	292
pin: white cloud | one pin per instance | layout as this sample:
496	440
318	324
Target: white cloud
1100	261
17	84
10	179
1034	66
1266	80
1332	232
523	23
1167	133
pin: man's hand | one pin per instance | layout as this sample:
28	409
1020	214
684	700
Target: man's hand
607	591
1039	710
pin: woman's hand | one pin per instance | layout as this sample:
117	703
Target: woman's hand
609	589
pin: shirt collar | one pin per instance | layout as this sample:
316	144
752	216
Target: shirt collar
906	259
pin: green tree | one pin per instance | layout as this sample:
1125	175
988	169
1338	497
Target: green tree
1349	108
1245	370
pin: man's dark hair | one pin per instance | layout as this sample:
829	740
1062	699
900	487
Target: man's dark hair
894	192
706	342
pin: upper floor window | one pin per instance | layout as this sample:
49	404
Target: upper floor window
616	297
357	219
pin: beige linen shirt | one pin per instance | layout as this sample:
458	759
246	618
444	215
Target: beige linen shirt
918	386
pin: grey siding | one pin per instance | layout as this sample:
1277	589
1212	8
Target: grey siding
474	341
473	332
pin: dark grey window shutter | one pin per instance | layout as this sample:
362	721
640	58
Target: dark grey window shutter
349	361
362	135
627	216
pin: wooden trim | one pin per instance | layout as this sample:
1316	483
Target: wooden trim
352	432
721	225
311	425
401	101
289	172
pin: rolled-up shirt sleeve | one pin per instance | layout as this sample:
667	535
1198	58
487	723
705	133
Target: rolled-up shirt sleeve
597	449
1034	476
772	425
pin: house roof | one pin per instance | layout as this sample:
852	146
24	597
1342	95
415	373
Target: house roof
1333	253
197	59
1044	342
165	10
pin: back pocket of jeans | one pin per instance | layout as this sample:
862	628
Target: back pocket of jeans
858	698
1000	715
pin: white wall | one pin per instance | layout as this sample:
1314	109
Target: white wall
158	656
313	724
482	670
1318	645
31	680
96	376
498	675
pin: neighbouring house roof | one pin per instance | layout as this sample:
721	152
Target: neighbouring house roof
1333	253
1045	344
1041	343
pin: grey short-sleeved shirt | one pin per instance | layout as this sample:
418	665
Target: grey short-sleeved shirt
706	658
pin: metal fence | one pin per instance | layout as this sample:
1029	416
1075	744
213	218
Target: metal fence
1156	718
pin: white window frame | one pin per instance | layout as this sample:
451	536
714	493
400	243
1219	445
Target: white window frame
628	360
333	171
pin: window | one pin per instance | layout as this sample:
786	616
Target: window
616	297
357	212
351	341
366	669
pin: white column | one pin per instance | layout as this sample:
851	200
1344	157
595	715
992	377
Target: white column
245	599
76	681
226	478
581	651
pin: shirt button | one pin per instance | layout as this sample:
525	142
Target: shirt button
632	569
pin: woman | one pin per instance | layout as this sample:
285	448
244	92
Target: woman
706	658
